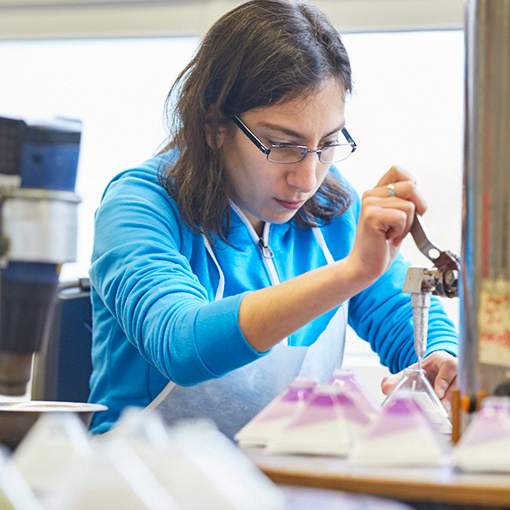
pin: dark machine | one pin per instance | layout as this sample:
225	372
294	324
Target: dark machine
38	233
485	289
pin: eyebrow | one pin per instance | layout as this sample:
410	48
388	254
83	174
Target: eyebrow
295	134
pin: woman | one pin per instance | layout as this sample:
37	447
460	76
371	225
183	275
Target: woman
231	262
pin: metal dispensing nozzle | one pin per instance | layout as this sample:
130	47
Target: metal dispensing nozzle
420	302
421	282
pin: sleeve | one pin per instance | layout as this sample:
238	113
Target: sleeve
382	315
148	288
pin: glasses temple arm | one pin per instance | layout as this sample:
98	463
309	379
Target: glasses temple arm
244	128
349	139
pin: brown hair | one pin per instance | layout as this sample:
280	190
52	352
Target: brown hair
260	53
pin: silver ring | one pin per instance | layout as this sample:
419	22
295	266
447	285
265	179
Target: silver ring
391	189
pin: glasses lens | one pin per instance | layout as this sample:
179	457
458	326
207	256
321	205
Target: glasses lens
335	153
290	154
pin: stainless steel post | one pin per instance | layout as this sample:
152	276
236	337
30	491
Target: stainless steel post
485	289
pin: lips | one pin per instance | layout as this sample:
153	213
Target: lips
291	205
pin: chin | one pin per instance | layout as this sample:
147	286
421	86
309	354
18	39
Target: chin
281	218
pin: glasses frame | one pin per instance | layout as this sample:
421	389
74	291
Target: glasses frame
267	150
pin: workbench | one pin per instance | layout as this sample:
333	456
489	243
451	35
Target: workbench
446	487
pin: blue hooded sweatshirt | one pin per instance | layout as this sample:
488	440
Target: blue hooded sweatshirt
153	286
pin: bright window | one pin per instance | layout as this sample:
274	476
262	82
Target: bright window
116	87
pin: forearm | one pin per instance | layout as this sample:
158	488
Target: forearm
268	315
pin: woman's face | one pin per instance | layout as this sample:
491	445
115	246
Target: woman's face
272	192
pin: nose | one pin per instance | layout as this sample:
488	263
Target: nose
303	175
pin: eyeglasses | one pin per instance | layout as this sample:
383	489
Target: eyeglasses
287	154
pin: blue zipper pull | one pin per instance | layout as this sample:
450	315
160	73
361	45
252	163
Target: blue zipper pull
264	248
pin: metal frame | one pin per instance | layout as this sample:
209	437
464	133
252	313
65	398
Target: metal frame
79	19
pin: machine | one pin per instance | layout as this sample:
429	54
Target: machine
484	276
38	233
485	288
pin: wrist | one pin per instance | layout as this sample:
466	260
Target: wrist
354	275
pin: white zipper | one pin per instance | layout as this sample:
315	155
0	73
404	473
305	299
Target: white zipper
265	250
262	243
267	254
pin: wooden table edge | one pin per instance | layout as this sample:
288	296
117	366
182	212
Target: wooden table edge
407	490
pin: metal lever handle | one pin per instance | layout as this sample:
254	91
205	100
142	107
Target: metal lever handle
447	263
428	249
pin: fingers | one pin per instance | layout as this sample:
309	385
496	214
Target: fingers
441	370
386	217
392	215
377	241
446	377
394	202
395	174
388	382
446	381
402	185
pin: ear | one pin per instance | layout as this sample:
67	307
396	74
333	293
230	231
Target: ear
215	127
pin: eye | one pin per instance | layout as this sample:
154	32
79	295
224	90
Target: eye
282	144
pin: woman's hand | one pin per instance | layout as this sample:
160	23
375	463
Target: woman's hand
387	213
441	368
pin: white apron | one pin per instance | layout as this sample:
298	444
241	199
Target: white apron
232	400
